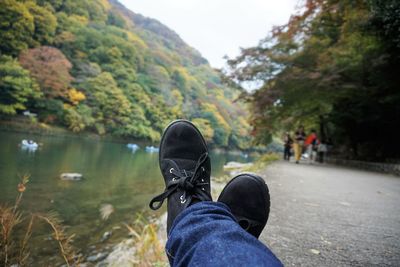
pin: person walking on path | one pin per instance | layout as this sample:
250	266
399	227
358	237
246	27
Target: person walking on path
288	141
299	137
311	145
202	232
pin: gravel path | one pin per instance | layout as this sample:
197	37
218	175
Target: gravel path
324	215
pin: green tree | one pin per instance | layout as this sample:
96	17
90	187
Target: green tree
16	86
112	107
16	27
78	118
45	23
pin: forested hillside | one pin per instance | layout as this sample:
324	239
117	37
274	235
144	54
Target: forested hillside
95	66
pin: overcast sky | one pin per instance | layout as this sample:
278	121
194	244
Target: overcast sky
217	27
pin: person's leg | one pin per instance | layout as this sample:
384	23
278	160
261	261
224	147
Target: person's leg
310	153
296	148
285	153
206	234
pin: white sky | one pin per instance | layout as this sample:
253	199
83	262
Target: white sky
217	27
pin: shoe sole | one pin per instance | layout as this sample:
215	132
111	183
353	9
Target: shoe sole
169	126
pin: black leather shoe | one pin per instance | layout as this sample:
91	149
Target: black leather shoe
247	196
186	167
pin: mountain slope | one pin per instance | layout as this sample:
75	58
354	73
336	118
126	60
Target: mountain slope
96	66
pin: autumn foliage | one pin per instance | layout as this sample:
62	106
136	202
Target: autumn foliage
50	68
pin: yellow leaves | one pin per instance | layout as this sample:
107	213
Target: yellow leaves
177	102
105	4
80	20
80	55
244	127
205	128
64	37
185	75
114	52
177	96
134	38
75	96
219	93
211	108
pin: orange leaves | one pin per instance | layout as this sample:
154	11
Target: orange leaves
50	68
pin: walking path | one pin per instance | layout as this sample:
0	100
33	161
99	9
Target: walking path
323	215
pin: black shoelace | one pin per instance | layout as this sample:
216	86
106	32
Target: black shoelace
190	182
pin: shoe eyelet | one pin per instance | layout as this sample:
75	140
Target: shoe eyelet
202	180
170	170
203	189
174	179
182	199
202	168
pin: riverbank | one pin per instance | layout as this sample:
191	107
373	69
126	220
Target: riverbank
28	126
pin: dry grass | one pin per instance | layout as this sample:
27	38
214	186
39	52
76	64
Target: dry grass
15	249
64	241
149	250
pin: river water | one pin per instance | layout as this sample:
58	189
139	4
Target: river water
112	173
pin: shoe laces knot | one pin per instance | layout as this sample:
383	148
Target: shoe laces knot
190	182
185	184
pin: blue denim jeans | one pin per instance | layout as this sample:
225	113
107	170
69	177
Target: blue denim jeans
207	234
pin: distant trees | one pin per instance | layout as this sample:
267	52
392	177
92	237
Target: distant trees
332	67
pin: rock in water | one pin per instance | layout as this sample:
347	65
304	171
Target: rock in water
98	257
71	176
